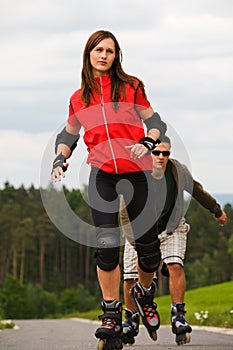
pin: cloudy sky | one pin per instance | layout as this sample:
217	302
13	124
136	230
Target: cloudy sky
181	49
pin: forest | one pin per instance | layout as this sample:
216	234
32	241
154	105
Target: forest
35	257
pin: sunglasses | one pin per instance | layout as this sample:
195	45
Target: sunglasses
164	153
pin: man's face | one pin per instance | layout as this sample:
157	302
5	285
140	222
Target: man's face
160	160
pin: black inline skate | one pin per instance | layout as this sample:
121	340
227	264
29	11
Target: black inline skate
110	332
130	327
143	299
180	327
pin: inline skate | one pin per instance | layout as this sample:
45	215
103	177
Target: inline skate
180	327
130	327
110	332
147	309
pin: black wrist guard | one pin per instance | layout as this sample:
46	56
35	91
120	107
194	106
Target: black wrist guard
68	139
149	143
58	162
155	122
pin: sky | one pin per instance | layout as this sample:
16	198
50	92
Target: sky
182	50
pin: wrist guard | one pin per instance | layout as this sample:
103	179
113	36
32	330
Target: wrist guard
68	139
58	162
155	122
149	143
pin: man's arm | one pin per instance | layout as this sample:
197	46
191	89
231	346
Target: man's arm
208	202
203	197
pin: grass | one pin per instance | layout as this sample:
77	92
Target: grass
217	300
4	324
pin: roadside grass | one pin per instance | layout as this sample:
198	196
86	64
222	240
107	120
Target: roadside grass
209	306
6	324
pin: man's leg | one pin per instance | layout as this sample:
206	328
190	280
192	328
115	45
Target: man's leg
143	294
177	282
129	303
131	316
173	249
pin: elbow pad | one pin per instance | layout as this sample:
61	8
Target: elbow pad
67	139
155	122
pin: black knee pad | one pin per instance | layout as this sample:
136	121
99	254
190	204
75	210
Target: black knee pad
108	247
149	256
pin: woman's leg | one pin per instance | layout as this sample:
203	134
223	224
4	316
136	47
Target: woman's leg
142	215
104	204
109	283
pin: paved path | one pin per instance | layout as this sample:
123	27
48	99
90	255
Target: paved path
73	334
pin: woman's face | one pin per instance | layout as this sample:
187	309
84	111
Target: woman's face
102	57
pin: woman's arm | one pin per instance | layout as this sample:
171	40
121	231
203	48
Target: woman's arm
155	128
145	115
65	143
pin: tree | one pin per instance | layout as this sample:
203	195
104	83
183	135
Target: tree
24	237
45	231
10	216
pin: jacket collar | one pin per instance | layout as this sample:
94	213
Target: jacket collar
104	80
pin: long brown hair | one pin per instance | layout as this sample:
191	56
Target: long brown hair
118	76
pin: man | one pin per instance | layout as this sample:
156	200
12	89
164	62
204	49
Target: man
171	179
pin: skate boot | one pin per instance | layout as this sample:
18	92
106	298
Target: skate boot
180	327
143	299
130	327
110	332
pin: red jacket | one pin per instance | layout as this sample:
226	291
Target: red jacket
108	131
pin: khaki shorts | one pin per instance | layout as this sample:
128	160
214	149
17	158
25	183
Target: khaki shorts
172	246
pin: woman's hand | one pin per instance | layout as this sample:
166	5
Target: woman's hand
138	150
59	167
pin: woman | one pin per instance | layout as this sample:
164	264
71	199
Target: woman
110	106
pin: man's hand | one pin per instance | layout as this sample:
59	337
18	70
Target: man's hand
222	220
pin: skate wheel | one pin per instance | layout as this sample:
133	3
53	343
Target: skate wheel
188	337
129	343
183	339
110	344
154	335
101	344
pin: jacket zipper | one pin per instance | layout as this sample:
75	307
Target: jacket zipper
106	126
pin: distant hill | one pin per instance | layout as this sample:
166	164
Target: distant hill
224	198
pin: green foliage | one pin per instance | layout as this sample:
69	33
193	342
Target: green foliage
26	301
40	303
31	301
31	247
208	258
6	324
13	299
79	299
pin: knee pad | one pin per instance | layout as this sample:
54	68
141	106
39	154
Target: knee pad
108	247
149	256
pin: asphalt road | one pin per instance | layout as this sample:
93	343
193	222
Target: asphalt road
71	334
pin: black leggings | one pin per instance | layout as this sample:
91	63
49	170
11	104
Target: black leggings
104	190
